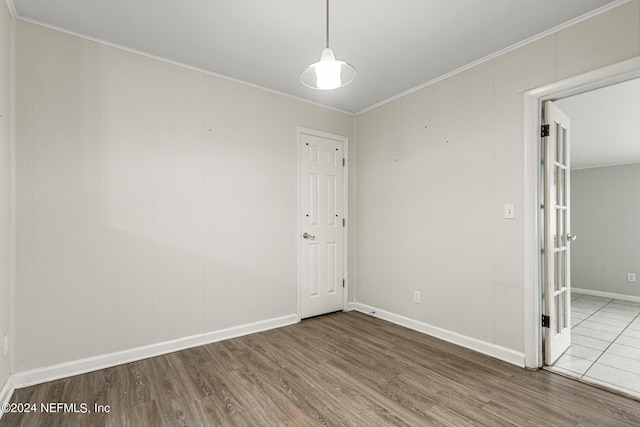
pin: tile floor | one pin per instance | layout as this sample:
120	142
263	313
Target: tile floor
605	343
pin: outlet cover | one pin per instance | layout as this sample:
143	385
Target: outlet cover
416	297
631	277
6	344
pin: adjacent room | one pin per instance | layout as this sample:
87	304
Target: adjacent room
605	198
307	211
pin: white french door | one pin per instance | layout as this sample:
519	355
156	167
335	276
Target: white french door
321	222
557	236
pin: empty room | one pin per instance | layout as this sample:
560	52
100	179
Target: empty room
303	212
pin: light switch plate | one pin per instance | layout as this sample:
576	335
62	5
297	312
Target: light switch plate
509	211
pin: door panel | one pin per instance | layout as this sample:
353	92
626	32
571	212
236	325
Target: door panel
321	213
557	289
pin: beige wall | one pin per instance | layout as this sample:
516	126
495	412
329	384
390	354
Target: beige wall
154	202
434	170
6	190
605	202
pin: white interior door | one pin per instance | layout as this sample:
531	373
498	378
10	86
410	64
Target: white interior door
557	289
321	223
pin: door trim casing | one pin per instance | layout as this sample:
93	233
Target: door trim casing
533	99
345	141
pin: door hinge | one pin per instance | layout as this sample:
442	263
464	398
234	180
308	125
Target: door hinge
546	322
344	222
344	162
343	283
544	131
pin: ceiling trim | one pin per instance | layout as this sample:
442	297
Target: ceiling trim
12	8
494	55
169	61
604	166
598	11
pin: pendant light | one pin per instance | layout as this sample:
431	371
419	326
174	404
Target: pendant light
328	73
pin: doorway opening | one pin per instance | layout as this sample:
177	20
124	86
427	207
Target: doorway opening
589	311
605	187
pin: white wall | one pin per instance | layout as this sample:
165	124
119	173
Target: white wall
605	203
434	170
6	191
154	202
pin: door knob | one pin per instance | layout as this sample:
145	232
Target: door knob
308	236
570	237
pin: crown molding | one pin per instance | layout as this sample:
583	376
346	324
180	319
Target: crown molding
12	8
179	64
494	55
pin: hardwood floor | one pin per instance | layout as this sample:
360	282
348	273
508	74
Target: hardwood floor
341	369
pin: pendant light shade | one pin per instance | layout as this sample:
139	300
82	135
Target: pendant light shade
328	73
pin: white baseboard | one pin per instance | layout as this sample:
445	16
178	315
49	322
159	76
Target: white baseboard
6	392
82	366
77	367
351	305
496	351
606	295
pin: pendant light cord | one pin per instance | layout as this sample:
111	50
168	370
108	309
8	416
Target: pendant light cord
327	23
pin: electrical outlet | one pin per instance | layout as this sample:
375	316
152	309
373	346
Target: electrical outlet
416	297
631	277
6	344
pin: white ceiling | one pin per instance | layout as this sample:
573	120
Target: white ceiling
395	45
605	125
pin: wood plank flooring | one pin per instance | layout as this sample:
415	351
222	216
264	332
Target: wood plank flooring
343	369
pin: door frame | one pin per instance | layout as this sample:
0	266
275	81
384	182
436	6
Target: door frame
299	229
533	100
